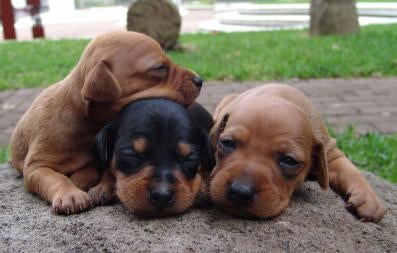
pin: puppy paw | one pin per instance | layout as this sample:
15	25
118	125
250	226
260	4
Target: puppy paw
365	204
70	201
102	194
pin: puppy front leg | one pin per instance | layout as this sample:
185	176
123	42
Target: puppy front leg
57	189
86	178
347	180
104	192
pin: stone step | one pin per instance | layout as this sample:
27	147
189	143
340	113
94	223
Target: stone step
298	8
364	9
214	25
235	18
254	17
375	13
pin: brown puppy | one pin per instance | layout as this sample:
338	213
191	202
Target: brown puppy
268	141
51	143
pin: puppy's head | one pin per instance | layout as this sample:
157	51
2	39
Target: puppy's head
120	67
157	154
265	148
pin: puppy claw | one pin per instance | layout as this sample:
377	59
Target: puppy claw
70	201
364	204
102	194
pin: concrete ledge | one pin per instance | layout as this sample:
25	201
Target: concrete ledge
316	221
232	17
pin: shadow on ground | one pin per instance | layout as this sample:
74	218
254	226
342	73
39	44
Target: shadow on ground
316	221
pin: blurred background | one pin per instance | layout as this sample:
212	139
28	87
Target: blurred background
88	18
341	53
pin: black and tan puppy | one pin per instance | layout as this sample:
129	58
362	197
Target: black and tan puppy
268	141
156	154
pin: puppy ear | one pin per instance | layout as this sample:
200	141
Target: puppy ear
103	146
100	85
208	158
220	108
217	129
221	117
320	166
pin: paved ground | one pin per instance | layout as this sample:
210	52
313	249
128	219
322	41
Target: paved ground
368	104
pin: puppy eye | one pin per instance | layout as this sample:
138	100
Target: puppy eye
190	164
126	151
287	162
227	145
161	69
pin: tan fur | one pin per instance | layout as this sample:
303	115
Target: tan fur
273	119
140	145
132	190
184	149
51	143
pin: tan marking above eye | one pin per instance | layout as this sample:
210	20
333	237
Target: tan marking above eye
140	145
184	149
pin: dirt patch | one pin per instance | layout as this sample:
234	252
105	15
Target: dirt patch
316	221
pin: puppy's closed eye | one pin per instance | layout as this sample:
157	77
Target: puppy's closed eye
160	68
128	161
289	166
190	160
158	71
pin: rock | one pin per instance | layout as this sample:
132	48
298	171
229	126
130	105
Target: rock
333	17
316	221
158	19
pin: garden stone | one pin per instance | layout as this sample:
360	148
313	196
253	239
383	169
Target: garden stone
158	19
333	17
315	221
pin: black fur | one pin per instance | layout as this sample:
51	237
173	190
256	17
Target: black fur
164	124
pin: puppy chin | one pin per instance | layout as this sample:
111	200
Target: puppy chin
143	208
188	94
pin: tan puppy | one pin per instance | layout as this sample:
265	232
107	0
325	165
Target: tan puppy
268	141
51	143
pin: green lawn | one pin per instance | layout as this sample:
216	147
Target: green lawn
236	56
291	54
372	152
4	154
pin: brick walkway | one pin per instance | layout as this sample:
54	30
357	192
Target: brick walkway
368	104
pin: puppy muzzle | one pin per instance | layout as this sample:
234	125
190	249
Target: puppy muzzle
241	193
198	82
162	196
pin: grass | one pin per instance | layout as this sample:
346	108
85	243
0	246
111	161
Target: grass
4	154
236	56
37	63
291	54
372	152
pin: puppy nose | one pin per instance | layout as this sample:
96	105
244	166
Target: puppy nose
241	193
198	82
162	197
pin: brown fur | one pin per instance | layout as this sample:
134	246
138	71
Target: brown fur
278	119
132	191
51	143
